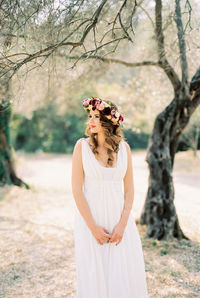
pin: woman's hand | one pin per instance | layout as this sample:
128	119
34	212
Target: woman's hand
117	233
101	234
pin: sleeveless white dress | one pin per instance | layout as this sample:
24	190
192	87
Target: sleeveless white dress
108	270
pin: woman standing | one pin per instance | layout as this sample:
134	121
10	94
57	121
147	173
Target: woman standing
108	250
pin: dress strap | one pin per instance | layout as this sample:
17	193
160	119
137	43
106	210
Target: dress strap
83	150
124	154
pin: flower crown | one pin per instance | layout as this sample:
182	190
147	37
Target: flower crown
106	109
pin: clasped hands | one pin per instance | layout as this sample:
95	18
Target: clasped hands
102	235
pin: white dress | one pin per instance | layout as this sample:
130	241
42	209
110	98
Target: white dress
107	271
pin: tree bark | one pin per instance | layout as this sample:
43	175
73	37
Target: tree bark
7	170
159	213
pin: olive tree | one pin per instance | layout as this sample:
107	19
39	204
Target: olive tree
88	30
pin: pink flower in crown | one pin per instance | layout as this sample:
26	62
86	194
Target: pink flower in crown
100	106
86	102
107	110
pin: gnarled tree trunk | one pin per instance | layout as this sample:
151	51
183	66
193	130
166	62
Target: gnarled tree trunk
159	213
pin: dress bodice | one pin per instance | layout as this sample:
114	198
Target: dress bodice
96	174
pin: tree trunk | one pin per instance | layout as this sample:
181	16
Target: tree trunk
7	170
196	141
159	213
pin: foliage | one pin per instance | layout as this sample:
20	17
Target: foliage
50	131
136	140
46	130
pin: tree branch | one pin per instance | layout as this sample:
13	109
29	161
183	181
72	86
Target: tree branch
148	15
50	49
182	46
195	91
170	72
195	102
110	60
118	16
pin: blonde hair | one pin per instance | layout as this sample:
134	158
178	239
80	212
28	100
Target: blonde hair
113	136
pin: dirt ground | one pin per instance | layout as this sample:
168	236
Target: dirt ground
36	230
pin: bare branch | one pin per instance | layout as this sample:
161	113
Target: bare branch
119	17
13	55
95	20
170	72
148	15
189	11
90	53
111	60
106	33
50	49
182	46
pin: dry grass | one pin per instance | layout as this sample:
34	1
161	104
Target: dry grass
172	268
36	231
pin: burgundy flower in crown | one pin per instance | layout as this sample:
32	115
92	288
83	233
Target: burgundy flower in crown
106	109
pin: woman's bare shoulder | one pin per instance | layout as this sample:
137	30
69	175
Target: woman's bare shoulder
79	142
125	142
77	146
127	146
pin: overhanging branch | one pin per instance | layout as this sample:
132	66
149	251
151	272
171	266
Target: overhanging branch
111	60
65	42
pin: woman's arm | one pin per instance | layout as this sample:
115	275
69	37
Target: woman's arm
128	189
77	184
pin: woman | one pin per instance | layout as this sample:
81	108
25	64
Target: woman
108	251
